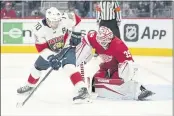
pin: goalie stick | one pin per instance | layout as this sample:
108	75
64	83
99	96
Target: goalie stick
20	104
87	81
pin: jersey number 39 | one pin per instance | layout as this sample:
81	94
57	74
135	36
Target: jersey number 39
127	53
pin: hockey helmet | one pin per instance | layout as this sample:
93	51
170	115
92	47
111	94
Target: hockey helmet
53	17
104	36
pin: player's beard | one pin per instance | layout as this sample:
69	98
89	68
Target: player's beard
53	24
54	27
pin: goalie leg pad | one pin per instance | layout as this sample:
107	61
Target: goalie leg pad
127	70
100	74
117	89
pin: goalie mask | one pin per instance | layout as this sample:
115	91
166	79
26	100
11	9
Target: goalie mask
104	36
53	17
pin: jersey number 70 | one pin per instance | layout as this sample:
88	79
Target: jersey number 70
38	26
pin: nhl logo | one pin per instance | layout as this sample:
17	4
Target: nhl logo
131	32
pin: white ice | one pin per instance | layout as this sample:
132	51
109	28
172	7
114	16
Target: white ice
54	96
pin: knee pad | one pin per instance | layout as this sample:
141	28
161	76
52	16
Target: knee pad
70	69
35	72
127	70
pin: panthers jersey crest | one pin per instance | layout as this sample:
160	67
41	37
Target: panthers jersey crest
56	43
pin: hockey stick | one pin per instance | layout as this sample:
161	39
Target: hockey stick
29	96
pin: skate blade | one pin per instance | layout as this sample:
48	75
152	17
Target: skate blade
82	101
24	94
147	98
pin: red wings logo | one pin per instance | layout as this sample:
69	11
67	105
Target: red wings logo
106	58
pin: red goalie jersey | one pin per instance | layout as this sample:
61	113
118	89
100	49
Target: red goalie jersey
116	77
116	52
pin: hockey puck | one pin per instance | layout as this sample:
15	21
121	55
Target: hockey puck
19	105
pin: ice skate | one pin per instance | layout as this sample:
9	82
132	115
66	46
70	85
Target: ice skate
144	93
24	89
82	97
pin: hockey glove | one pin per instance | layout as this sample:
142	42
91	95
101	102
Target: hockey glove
75	38
54	62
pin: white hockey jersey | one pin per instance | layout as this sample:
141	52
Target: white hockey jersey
54	40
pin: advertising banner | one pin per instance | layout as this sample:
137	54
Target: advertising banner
142	33
147	33
17	32
142	36
136	33
12	33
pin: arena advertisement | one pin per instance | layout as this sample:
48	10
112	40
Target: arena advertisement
147	33
139	34
17	32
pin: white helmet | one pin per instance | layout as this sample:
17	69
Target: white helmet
104	36
53	17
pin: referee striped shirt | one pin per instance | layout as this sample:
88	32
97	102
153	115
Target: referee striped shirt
108	10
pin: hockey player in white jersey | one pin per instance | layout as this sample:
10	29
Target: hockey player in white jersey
52	38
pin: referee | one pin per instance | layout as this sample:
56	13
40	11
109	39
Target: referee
109	15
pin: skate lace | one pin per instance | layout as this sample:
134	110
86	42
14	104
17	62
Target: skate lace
24	88
143	91
82	93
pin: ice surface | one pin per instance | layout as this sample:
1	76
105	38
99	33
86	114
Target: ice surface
54	96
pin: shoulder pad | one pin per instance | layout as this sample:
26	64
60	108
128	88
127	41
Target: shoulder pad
92	34
38	28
